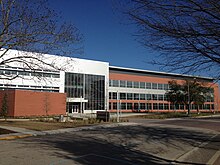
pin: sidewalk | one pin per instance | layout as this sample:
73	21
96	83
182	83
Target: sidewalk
22	132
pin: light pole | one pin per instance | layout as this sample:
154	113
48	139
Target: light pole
118	107
188	98
189	102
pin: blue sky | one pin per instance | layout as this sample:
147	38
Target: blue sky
106	36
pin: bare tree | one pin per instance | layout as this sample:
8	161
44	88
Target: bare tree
185	32
46	103
188	92
31	26
4	108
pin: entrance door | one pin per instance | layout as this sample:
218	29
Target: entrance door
73	107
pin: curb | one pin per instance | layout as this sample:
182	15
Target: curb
11	137
58	131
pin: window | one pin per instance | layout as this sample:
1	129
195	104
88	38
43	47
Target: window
172	106
110	95
149	106
123	106
154	85
154	96
210	97
142	106
176	107
110	106
142	85
201	106
46	75
207	106
136	84
160	106
1	72
115	106
182	106
166	86
10	85
10	72
36	74
136	96
160	97
129	84
148	96
155	106
166	106
160	86
142	96
165	97
136	106
110	83
23	86
129	105
193	106
55	76
90	87
122	96
114	95
129	96
115	83
23	73
148	85
122	83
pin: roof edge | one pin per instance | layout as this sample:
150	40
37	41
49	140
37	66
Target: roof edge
158	72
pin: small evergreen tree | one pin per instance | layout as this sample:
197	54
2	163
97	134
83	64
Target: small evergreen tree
4	108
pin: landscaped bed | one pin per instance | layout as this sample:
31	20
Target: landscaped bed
5	131
47	125
170	115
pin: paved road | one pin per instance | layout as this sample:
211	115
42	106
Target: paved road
144	142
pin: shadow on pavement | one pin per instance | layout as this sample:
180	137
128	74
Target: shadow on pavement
89	147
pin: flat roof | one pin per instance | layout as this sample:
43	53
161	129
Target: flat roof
133	70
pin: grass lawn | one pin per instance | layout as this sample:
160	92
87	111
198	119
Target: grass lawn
4	131
42	126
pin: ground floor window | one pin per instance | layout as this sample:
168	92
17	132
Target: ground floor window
155	106
129	105
149	106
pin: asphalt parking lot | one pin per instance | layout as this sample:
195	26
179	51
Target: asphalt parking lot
142	141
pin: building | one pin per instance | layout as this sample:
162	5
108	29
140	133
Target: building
83	81
92	86
135	90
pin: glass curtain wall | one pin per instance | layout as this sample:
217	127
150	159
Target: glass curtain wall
89	87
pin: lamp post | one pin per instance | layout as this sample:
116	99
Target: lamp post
118	107
188	98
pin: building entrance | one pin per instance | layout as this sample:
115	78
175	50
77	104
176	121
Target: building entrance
73	107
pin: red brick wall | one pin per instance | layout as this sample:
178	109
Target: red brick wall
31	103
117	76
